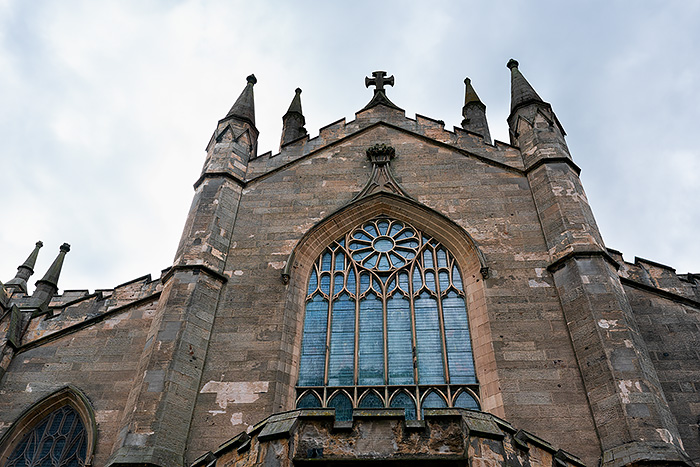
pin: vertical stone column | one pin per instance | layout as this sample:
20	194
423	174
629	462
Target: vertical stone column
632	417
158	414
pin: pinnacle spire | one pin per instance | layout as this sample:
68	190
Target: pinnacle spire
521	91
48	286
54	271
474	113
293	121
244	107
25	270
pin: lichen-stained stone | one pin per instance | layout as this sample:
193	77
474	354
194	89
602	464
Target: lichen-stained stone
382	438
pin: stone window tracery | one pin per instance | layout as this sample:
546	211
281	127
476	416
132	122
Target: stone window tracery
57	440
386	325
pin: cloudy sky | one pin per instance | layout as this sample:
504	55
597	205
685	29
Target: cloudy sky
106	107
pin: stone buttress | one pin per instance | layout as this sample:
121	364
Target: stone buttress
632	416
157	418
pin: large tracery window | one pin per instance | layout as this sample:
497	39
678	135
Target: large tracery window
386	325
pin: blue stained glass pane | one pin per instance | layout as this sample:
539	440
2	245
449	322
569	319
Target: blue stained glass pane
343	407
383	227
341	242
433	401
442	258
428	342
339	261
372	260
313	348
430	280
403	281
326	262
371	341
338	282
326	283
395	228
313	282
356	246
309	401
417	280
396	260
360	255
351	281
456	278
403	400
466	401
399	340
342	353
427	258
459	350
371	230
444	280
383	263
371	401
364	282
361	236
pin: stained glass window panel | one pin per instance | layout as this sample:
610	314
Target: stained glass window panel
466	401
59	440
342	355
459	351
371	401
428	342
399	340
371	351
313	349
404	401
342	405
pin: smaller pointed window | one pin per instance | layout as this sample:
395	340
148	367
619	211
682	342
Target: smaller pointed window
58	431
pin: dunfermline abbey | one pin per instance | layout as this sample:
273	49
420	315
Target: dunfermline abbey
390	292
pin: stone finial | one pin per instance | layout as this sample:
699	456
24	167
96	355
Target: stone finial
379	80
474	113
25	270
380	154
293	121
244	107
54	271
521	91
48	286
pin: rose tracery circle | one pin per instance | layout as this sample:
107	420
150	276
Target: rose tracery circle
383	245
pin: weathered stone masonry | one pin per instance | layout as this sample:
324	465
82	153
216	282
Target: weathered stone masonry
571	344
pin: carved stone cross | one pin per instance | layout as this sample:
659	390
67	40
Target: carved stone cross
379	81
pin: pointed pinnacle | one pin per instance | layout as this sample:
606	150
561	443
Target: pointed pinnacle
54	271
470	94
25	270
520	90
31	260
295	106
244	107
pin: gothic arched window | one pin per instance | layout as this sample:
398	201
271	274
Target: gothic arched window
386	325
57	432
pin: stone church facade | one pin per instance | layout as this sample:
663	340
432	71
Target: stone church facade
389	292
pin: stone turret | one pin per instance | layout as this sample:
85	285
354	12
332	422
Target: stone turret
474	113
293	121
156	422
25	271
634	424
